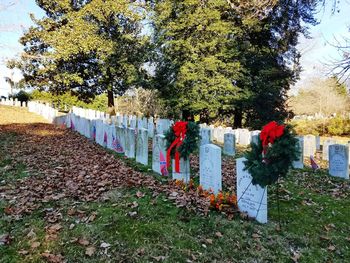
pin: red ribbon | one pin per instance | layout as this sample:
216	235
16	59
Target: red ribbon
270	133
180	129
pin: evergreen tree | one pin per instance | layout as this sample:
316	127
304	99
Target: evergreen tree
87	47
229	58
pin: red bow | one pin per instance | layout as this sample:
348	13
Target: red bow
270	133
180	129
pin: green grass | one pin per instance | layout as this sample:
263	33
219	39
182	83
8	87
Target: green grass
314	225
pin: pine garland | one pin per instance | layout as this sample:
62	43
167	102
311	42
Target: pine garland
279	157
190	143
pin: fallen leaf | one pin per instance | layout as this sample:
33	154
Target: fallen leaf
218	234
52	258
331	248
90	251
209	241
159	258
35	245
92	217
83	241
23	252
139	194
55	228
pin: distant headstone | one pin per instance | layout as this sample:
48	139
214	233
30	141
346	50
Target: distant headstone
339	160
121	139
216	134
299	164
212	129
255	136
244	137
99	132
162	126
144	123
220	136
229	144
110	136
255	139
205	136
119	121
325	147
309	145
236	133
252	199
139	123
184	173
142	147
125	121
130	143
210	176
158	153
150	127
133	122
318	143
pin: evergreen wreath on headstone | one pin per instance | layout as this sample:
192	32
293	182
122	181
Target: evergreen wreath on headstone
274	154
182	140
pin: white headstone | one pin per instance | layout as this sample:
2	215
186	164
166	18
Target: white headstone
220	134
205	136
244	137
142	147
212	130
325	147
339	160
309	145
110	136
144	123
229	144
252	199
130	143
318	143
210	176
99	132
150	127
139	123
255	135
158	153
162	126
125	121
133	122
121	138
184	173
299	164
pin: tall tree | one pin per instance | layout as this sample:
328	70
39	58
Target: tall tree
85	46
230	57
195	68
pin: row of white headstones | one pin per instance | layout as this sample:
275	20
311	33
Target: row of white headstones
12	102
130	135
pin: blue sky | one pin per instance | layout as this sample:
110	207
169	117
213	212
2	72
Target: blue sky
315	52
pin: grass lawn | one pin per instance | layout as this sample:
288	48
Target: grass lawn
137	225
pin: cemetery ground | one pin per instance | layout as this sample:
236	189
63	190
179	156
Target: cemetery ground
66	199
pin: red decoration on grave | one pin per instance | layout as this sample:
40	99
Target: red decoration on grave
270	133
180	129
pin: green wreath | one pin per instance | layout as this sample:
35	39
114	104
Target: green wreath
189	144
267	168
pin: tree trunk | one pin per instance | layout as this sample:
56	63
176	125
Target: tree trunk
110	98
238	118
